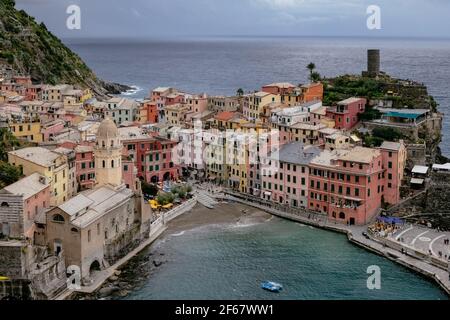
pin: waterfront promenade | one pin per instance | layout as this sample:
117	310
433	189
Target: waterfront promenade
409	259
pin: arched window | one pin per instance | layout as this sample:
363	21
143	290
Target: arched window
103	144
341	215
58	218
112	163
112	143
5	204
104	163
74	230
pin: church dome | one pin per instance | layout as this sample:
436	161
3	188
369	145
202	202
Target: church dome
107	130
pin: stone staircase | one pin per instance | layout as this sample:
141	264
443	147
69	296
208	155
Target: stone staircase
205	199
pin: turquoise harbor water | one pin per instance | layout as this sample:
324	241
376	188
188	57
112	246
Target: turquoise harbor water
229	262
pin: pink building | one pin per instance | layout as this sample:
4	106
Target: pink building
85	166
285	174
347	185
51	129
346	112
129	173
21	203
151	155
196	103
394	160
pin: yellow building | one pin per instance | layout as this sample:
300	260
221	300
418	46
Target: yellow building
237	161
176	114
86	95
306	133
30	131
47	163
255	103
215	160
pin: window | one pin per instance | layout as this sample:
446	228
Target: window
89	235
74	230
112	163
58	218
104	164
390	164
5	204
125	168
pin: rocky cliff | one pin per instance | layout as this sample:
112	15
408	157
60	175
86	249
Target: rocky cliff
29	48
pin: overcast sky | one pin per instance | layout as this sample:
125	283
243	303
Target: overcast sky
160	18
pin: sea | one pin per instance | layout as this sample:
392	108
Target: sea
229	262
221	65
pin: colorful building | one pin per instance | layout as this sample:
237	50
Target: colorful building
394	160
254	103
148	112
345	114
47	163
21	203
151	155
30	131
285	174
347	185
85	166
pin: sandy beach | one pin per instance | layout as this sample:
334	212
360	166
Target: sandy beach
223	213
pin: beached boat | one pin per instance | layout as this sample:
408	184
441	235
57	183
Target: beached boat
271	286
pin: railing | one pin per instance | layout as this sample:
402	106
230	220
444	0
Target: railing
300	212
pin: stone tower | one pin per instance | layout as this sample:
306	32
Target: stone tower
108	154
373	62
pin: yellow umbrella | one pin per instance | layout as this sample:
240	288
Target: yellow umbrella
4	278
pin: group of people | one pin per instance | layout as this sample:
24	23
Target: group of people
383	229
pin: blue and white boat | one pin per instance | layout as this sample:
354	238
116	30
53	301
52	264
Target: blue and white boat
271	286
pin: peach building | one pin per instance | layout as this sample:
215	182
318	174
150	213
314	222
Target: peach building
394	160
348	185
281	88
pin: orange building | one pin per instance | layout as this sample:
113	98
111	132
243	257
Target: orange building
148	112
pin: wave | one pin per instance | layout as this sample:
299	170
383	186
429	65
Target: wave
178	234
131	92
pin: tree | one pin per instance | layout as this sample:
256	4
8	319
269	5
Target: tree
8	174
388	134
311	66
7	142
315	77
150	189
240	92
